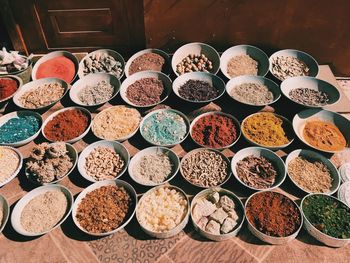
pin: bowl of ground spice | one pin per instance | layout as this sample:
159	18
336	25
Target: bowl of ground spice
198	87
94	89
154	166
244	60
4	212
253	90
103	160
58	64
310	92
216	130
327	219
289	63
273	217
9	85
258	168
312	172
69	125
11	161
145	89
322	130
42	210
104	207
19	128
148	59
268	130
40	94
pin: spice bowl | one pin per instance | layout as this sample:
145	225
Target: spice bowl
17	114
4	205
25	200
19	82
115	146
239	209
119	183
210	78
92	80
344	172
272	157
343	193
255	53
166	81
19	167
313	156
258	80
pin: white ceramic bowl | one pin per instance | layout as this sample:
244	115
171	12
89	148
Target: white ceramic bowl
343	189
317	234
110	52
238	206
276	161
212	79
146	74
19	85
33	85
175	230
312	156
196	48
174	159
344	171
92	80
234	120
14	174
17	114
271	239
17	210
301	118
115	146
52	55
255	53
165	68
88	114
306	58
312	83
272	86
129	189
4	205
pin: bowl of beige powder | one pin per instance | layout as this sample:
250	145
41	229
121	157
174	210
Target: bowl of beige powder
4	212
10	164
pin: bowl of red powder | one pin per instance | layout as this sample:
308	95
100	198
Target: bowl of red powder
58	64
9	85
215	130
69	125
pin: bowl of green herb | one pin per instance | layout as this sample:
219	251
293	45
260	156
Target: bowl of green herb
327	219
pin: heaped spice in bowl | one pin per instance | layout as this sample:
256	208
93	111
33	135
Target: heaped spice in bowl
273	214
328	215
66	125
99	93
8	86
309	97
252	93
193	63
148	61
284	67
102	62
145	91
104	209
59	67
242	65
9	162
198	90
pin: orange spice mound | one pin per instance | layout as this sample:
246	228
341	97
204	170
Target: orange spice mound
58	67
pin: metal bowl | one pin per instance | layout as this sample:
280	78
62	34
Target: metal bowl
19	84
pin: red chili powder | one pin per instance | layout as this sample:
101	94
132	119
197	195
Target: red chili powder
58	67
8	86
214	130
66	125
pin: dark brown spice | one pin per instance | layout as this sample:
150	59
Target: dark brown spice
148	61
145	92
198	90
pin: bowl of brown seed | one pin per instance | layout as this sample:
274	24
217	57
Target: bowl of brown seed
4	212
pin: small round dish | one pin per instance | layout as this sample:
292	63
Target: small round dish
196	48
255	53
306	58
109	52
344	193
24	74
166	67
33	85
174	159
17	114
272	157
259	80
166	81
301	118
19	82
4	205
312	156
129	189
239	208
115	146
20	163
344	172
20	205
52	55
212	79
234	120
311	83
92	80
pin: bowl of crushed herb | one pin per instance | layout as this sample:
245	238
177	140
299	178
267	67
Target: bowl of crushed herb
327	219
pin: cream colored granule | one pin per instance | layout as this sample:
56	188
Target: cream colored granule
44	211
116	122
242	65
9	161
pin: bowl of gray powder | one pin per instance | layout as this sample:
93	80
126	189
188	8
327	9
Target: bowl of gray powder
4	212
